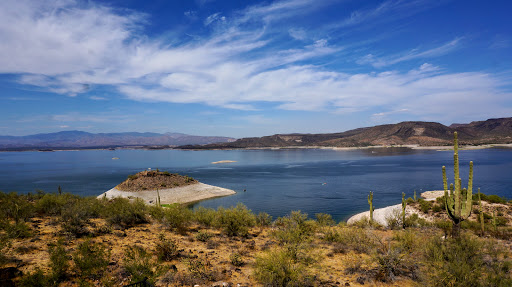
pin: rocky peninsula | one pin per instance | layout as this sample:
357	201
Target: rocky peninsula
170	187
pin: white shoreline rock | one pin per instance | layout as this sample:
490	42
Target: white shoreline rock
183	194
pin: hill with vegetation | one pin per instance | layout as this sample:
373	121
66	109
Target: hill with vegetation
153	180
52	239
492	131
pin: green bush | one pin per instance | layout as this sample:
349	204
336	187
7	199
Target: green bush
203	236
177	216
236	259
137	263
462	262
205	216
59	261
391	262
15	207
263	219
425	205
353	238
324	219
91	259
201	271
166	249
235	221
35	279
437	208
122	213
415	221
294	228
490	198
277	268
52	204
17	230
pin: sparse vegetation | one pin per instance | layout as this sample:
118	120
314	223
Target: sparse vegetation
111	242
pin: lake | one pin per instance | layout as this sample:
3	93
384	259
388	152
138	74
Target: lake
276	181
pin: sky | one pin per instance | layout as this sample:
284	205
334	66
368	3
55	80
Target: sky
250	68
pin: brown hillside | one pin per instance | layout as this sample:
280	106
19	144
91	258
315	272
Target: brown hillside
404	133
152	180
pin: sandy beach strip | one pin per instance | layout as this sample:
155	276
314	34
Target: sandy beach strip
184	194
380	215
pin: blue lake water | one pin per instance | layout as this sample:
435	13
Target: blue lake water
276	181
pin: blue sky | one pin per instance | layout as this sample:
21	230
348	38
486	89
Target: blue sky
250	68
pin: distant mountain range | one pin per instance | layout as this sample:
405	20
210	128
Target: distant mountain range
497	131
84	140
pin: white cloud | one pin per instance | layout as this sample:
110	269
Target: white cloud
68	48
410	55
298	34
212	18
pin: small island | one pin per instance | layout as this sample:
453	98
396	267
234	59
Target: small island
170	187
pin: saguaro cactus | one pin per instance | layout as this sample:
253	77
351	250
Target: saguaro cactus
404	205
370	202
415	199
481	213
459	202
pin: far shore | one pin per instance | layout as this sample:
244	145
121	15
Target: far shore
182	195
440	148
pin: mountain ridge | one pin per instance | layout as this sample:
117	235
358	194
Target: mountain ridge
491	131
84	140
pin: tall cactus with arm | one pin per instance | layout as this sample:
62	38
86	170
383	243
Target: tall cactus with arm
370	202
459	202
404	205
481	213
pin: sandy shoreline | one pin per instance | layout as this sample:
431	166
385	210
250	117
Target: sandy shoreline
381	214
184	194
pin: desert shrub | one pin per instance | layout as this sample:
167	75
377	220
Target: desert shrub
407	240
409	201
324	219
425	205
490	198
202	271
137	263
52	204
294	228
156	212
461	262
437	208
17	230
35	279
205	216
236	259
263	219
501	221
353	238
391	263
132	177
91	259
120	212
235	221
414	220
15	207
4	244
59	261
177	216
394	220
278	268
203	236
166	249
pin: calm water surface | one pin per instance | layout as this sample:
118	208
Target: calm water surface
276	181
